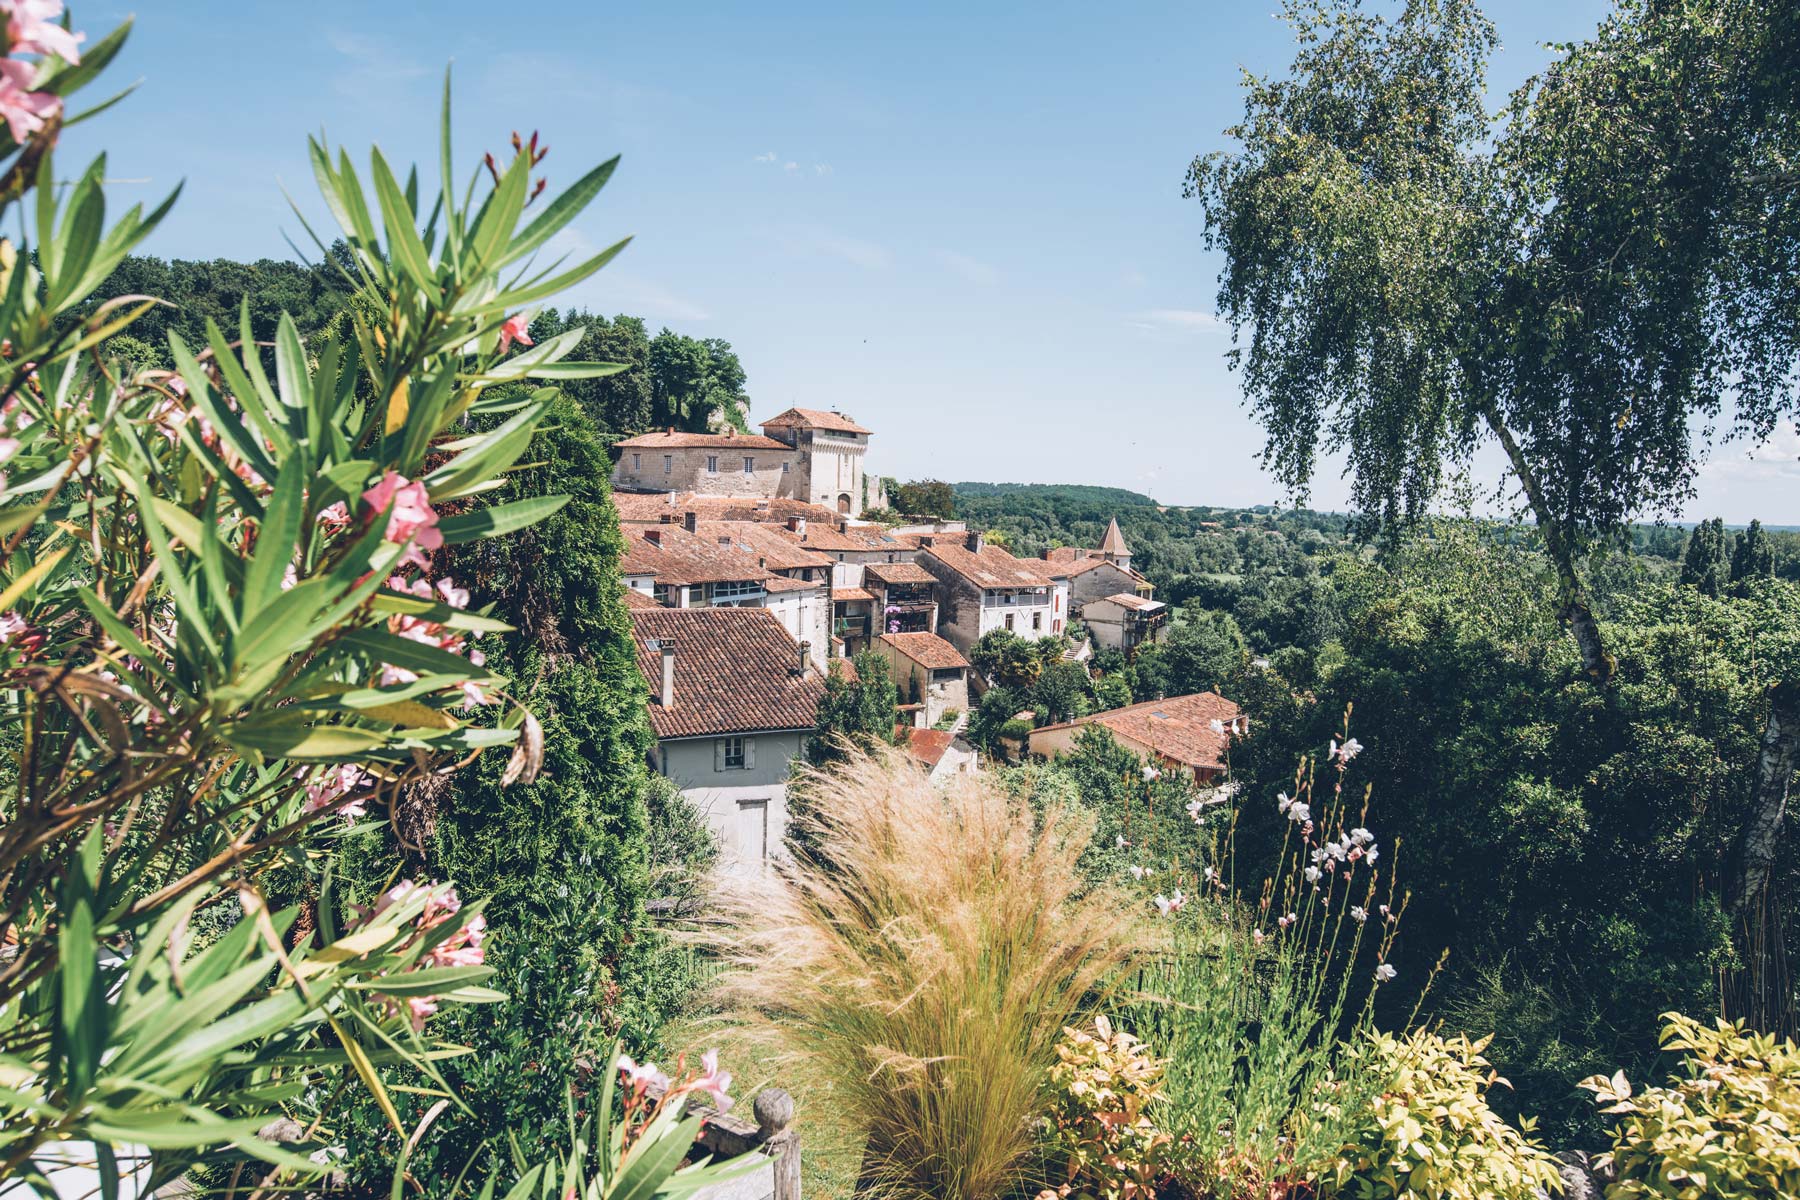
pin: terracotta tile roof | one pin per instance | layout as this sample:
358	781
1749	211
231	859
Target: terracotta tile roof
927	649
637	599
853	595
992	568
1063	554
675	556
865	540
1083	566
1178	729
812	418
902	572
785	583
1135	602
736	671
649	508
926	746
677	440
775	546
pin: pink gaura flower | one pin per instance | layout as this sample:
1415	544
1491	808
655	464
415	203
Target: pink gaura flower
513	329
410	515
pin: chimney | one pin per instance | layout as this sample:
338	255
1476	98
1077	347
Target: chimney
805	657
669	431
668	672
688	520
974	541
762	562
653	536
798	525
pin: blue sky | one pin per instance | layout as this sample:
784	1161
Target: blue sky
962	224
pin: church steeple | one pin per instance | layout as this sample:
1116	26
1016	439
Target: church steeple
1112	546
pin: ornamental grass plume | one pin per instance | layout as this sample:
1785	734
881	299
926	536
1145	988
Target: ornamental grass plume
924	958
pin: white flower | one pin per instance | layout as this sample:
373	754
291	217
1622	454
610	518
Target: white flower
1282	803
1138	872
1384	972
1361	836
1196	808
1151	774
1169	905
1209	875
1359	915
1349	750
1337	850
1122	843
1372	855
1386	915
1299	814
1312	874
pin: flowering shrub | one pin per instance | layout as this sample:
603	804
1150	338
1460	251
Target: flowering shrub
222	637
1428	1133
1728	1129
1100	1129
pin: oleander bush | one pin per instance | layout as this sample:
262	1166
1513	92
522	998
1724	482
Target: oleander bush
227	646
1727	1127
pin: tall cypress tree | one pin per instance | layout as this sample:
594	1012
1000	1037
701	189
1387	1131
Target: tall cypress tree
1753	557
1706	564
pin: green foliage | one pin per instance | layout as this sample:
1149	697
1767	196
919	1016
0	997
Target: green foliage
1204	651
1101	1132
1414	278
923	498
856	714
1428	1133
1727	1128
1706	564
1752	556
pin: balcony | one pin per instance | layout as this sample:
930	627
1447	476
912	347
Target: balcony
851	627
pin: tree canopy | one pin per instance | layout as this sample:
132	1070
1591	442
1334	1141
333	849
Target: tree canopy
1583	281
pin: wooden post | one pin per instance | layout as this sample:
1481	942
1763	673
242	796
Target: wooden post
774	1111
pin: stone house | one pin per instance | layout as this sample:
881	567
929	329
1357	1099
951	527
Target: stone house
1099	573
1190	734
735	564
1125	621
928	671
938	752
905	596
983	588
733	701
710	464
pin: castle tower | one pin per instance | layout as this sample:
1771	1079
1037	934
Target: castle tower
1113	548
829	449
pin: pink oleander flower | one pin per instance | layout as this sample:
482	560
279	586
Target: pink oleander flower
641	1076
410	515
32	27
335	517
464	947
455	597
24	111
333	783
714	1081
513	329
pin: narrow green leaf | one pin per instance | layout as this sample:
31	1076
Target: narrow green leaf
498	519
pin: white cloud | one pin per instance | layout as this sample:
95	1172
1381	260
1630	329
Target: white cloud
821	168
370	65
1191	319
1776	459
855	251
971	269
790	166
769	157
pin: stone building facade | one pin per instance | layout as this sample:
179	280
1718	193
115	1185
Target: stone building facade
711	464
828	450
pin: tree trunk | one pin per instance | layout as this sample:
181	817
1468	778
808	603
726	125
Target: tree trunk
1572	608
1753	853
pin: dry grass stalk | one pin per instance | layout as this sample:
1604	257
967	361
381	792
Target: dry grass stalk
930	969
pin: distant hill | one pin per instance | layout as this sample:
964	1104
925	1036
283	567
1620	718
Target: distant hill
1081	493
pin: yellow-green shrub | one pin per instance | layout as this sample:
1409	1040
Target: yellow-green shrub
1729	1129
1101	1138
1429	1133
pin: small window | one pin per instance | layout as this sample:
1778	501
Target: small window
749	464
1009	620
668	464
637	462
712	464
734	754
1037	621
784	467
